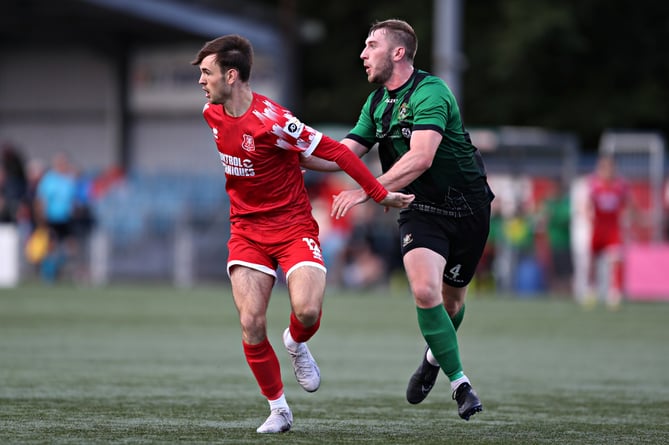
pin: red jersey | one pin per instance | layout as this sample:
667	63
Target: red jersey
608	200
260	152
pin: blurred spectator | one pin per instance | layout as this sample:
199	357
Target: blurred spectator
364	268
105	181
83	219
25	217
609	200
360	249
83	223
486	279
13	183
334	233
365	254
55	208
519	234
556	215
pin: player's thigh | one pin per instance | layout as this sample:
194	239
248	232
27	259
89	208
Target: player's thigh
424	271
302	260
306	287
252	275
251	290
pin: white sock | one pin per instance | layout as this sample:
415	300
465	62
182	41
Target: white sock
289	342
457	382
278	403
431	359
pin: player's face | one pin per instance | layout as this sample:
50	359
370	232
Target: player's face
213	81
377	57
606	168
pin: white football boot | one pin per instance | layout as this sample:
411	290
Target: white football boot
279	421
306	370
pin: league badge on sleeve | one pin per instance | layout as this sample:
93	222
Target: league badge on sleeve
293	127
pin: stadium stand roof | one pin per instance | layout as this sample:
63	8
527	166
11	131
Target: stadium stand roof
114	22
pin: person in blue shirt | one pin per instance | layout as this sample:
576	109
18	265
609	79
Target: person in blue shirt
55	203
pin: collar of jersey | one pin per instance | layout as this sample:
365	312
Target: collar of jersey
404	85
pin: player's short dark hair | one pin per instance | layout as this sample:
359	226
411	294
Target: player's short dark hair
232	51
401	33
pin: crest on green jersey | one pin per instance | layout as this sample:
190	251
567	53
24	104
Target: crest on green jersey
403	112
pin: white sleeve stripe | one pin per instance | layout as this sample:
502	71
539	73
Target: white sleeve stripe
314	143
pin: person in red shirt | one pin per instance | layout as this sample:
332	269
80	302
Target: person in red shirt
271	224
608	201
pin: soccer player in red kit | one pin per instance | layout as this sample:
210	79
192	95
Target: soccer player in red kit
271	225
608	200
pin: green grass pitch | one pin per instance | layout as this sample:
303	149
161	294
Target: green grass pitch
150	364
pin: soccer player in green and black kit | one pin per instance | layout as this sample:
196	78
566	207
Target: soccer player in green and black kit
425	150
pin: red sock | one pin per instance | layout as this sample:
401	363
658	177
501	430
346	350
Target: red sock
617	275
265	367
299	332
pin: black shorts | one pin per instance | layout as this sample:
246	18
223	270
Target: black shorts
459	240
60	230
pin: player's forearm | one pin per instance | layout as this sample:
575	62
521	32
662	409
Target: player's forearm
424	145
357	170
348	161
319	164
404	171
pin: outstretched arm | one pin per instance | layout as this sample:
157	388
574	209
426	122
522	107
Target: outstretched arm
332	150
319	164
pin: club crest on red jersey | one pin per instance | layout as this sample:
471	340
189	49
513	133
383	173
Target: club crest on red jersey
247	143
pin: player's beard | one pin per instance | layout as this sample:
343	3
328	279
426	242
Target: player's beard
220	94
219	98
384	71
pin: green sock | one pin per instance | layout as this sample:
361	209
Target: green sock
457	318
439	333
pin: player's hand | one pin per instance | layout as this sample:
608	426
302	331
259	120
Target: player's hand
397	199
345	200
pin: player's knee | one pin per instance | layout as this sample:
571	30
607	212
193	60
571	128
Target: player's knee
253	326
308	315
453	307
454	298
426	294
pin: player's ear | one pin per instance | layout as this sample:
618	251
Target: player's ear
399	53
231	75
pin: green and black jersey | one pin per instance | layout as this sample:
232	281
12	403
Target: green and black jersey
456	181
